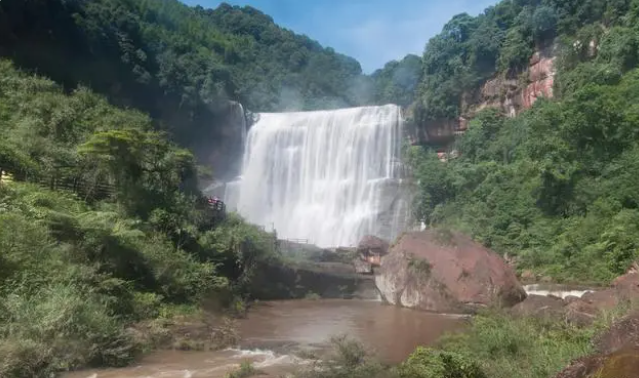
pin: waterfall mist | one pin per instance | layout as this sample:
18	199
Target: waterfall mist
330	177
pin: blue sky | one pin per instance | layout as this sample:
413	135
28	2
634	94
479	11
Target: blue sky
372	31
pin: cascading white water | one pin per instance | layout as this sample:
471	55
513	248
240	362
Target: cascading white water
330	177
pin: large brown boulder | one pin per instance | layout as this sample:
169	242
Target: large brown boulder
442	271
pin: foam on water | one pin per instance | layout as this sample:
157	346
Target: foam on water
536	289
266	358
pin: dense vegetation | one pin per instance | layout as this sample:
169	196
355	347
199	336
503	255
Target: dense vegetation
396	82
554	186
500	41
123	237
178	64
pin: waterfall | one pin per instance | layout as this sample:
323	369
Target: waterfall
329	177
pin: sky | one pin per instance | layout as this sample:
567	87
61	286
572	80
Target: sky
371	31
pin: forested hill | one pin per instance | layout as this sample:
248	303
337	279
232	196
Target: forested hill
500	42
178	64
553	183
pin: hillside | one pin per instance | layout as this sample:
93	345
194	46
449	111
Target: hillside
102	228
546	180
178	64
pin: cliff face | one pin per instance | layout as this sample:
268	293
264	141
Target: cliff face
511	96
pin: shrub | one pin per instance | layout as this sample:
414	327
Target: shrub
430	363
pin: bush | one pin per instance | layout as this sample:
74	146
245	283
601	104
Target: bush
245	370
60	327
346	358
430	363
509	347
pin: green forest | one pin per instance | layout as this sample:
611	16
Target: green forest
106	107
102	227
555	186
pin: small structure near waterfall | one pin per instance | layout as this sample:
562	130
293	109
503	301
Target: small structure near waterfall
216	208
370	251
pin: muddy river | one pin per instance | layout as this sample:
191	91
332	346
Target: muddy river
274	334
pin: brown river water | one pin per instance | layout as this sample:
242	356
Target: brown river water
274	332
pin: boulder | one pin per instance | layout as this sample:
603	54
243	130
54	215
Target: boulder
539	306
602	299
623	334
621	364
443	271
617	353
580	312
627	287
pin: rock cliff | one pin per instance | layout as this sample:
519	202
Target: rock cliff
441	271
508	94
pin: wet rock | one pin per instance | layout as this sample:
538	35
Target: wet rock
443	271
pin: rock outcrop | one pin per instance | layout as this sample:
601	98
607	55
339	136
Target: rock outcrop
617	353
511	95
275	281
441	271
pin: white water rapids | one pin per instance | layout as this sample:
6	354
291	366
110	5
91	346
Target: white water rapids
329	177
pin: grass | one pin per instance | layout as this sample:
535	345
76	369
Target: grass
419	266
522	347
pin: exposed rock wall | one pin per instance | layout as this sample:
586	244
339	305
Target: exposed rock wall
510	95
328	280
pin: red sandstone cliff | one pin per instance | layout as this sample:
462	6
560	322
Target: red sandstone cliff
510	95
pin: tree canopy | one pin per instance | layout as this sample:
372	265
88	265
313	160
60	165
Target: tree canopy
178	64
553	186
